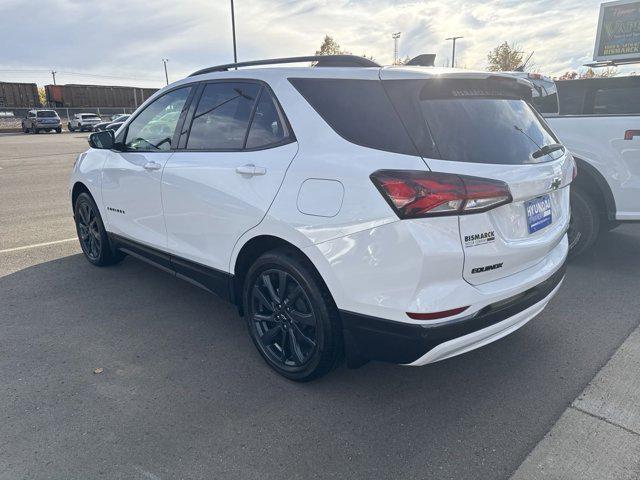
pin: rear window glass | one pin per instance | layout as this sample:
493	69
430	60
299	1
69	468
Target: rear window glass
472	121
90	116
357	110
617	101
47	114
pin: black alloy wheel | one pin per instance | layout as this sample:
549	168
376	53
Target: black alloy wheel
291	316
283	319
94	240
88	231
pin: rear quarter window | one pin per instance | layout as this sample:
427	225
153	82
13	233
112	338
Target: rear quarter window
358	110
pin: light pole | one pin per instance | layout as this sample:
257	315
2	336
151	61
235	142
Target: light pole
233	31
53	73
166	75
453	54
395	37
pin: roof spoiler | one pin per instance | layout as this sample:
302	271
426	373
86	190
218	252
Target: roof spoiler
424	60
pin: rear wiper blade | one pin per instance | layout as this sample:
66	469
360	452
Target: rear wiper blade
547	149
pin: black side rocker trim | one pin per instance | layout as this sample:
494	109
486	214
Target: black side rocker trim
370	338
215	281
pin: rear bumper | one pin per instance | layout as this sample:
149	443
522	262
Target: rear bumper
370	338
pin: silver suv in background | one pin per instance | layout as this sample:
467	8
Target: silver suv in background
37	121
83	121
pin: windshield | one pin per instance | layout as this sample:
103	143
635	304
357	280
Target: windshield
475	121
47	114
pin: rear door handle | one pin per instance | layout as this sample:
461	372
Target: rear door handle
251	170
152	166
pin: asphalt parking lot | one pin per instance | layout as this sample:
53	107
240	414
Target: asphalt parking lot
184	394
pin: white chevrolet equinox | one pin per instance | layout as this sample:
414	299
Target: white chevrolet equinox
350	211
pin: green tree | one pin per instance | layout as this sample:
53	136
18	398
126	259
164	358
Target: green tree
329	47
42	96
504	57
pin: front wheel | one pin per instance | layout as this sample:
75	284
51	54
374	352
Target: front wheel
93	237
59	130
24	128
291	316
70	128
585	222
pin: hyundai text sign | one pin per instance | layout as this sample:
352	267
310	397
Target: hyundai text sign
618	32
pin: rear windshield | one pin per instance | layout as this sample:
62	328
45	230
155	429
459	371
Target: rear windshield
46	114
90	116
477	121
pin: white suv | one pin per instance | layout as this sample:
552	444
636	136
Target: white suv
83	121
400	214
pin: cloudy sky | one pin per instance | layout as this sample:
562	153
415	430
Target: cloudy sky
122	42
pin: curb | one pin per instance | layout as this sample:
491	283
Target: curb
598	435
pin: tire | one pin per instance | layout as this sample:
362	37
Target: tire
91	233
24	129
59	130
70	128
585	223
294	324
36	130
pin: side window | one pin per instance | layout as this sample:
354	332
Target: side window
220	122
267	126
617	101
359	111
154	127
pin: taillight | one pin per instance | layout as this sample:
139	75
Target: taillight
415	194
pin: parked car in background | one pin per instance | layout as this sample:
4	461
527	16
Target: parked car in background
83	122
37	121
116	118
347	209
114	126
598	119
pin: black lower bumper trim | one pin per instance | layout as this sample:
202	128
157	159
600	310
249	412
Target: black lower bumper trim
370	338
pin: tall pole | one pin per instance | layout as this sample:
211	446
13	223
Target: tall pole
233	30
453	53
166	75
395	37
53	73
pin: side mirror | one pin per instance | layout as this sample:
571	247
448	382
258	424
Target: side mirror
103	139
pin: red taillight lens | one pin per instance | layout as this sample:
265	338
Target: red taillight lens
414	193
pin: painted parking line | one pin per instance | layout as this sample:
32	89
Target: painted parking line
36	245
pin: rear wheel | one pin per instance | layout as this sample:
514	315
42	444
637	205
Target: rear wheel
70	128
24	128
291	317
585	222
92	234
59	130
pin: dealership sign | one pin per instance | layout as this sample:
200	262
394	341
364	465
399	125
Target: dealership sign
618	32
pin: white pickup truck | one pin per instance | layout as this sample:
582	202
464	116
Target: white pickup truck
598	120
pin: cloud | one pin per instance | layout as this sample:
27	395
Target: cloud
128	39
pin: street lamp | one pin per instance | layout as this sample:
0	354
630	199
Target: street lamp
233	30
395	37
453	55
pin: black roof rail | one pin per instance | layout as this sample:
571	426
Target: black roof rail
321	61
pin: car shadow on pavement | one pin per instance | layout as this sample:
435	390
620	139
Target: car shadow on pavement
183	387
